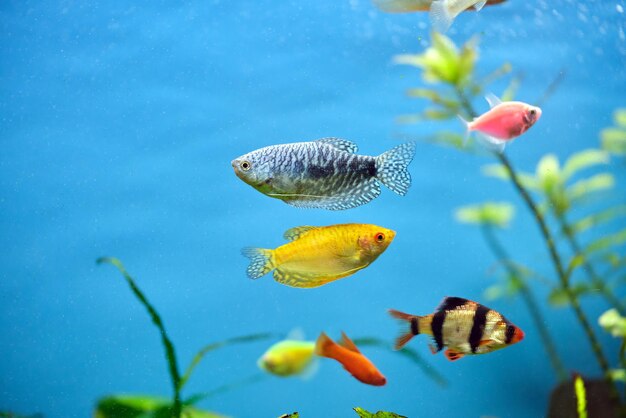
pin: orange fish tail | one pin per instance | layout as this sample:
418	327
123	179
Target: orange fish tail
413	329
324	345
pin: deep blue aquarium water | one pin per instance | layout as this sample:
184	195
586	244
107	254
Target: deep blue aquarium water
118	125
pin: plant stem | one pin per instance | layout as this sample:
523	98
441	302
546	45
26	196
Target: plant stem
170	353
594	278
529	299
556	259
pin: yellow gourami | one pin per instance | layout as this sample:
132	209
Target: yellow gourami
315	256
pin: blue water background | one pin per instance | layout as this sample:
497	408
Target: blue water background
118	124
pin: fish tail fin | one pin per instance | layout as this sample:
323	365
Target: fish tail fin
413	330
440	16
261	261
468	129
491	143
323	345
392	167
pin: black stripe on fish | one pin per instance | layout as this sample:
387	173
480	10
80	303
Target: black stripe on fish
480	319
450	303
437	328
415	326
510	331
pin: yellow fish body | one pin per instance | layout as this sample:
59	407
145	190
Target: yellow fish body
315	256
288	358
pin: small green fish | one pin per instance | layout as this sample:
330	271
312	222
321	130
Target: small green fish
289	358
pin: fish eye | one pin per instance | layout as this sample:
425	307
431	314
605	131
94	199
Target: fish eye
245	165
532	112
380	237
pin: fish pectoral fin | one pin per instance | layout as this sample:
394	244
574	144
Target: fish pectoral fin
490	142
295	233
347	343
453	355
485	343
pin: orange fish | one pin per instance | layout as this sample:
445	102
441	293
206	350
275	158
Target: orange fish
350	358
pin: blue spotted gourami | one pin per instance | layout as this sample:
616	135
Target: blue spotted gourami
326	173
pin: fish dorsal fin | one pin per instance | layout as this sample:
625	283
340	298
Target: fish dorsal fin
340	144
493	100
295	233
450	303
480	5
346	342
296	334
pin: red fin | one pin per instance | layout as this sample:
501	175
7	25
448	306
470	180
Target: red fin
347	343
485	342
323	344
405	337
453	355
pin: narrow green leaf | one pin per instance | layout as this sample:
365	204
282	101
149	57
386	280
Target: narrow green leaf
438	114
448	64
503	70
494	292
194	399
292	415
214	346
613	323
449	139
606	242
467	60
599	218
548	172
582	160
362	413
559	297
410	119
581	396
497	214
614	140
422	93
618	375
142	406
170	352
499	171
619	116
511	90
414	60
581	190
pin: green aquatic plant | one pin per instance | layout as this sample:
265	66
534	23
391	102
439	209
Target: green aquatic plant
490	217
362	413
581	396
550	194
614	138
135	406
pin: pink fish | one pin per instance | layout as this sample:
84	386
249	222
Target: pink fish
504	122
